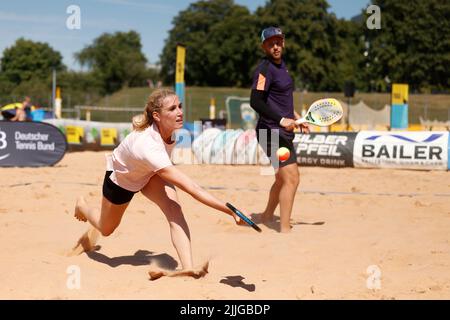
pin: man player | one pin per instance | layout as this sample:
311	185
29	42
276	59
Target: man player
272	98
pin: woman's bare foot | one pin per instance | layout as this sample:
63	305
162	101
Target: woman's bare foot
81	203
194	273
86	243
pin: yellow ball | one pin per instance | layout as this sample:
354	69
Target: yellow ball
283	154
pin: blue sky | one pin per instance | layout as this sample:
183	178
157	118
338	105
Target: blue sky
45	21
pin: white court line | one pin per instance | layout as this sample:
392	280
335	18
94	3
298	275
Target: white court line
258	190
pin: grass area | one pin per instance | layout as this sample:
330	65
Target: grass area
197	102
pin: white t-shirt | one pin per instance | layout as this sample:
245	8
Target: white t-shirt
138	157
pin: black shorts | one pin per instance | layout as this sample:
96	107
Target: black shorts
115	193
270	147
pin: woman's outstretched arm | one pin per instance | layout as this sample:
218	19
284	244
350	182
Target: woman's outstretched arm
182	181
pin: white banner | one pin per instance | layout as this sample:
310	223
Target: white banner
422	150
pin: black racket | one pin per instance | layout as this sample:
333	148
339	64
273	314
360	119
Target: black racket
243	217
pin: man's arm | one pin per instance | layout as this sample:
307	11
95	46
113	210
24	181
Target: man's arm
258	103
304	127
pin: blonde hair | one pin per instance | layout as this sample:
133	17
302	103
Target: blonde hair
154	104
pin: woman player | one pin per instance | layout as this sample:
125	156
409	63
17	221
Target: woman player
142	163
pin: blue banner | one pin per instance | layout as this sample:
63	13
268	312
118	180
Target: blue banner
179	90
399	116
30	144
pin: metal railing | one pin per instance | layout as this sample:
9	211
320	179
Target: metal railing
87	110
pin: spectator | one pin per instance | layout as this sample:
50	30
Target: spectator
21	112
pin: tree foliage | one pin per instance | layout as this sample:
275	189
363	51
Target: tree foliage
116	60
223	45
322	52
27	59
223	48
413	44
220	39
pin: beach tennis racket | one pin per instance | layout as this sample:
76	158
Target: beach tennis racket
322	113
243	217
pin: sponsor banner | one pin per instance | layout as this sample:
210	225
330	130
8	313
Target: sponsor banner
30	144
325	149
92	135
399	116
399	93
108	137
74	134
179	73
423	150
181	58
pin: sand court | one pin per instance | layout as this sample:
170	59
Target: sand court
356	234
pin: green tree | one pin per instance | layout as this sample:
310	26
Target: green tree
220	39
6	87
413	44
347	60
79	88
27	59
116	60
38	89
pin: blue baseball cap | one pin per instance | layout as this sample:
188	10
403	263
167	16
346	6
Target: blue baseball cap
271	32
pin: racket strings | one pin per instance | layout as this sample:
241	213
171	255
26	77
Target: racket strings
326	113
329	115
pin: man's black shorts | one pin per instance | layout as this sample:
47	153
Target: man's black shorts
115	193
270	146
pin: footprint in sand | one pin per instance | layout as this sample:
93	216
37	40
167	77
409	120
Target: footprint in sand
420	204
435	288
41	195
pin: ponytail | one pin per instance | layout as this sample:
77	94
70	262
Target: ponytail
154	104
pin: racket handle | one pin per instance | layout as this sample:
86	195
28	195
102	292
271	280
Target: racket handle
300	121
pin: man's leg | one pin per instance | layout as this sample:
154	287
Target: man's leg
272	203
290	178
